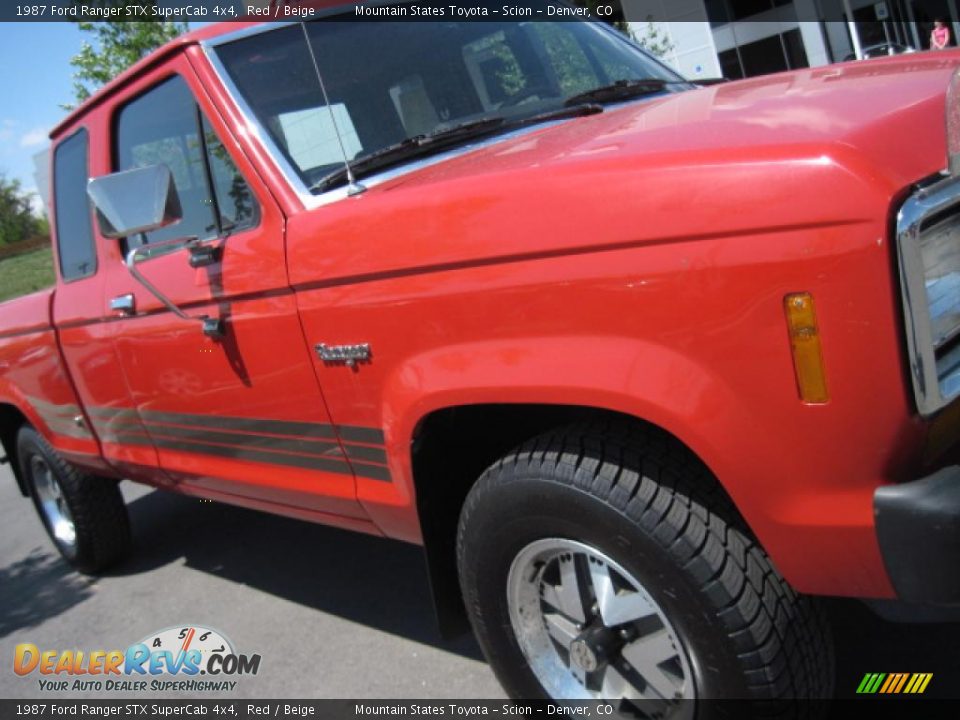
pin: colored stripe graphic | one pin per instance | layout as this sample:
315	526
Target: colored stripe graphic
891	680
903	680
894	683
918	683
307	445
61	418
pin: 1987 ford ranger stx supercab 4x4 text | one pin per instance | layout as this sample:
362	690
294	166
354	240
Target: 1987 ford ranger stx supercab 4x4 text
644	366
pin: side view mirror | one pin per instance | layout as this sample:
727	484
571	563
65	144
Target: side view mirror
138	201
135	201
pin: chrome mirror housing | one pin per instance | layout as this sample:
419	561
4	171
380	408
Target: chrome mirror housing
135	201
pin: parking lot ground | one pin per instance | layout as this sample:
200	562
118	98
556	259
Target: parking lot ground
333	614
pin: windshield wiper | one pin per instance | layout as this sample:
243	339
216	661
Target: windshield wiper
624	90
568	111
419	145
411	147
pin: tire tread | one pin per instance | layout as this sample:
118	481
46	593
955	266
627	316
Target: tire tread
782	639
99	513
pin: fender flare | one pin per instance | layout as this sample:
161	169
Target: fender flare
644	380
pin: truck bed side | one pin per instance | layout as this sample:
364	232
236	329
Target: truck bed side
34	384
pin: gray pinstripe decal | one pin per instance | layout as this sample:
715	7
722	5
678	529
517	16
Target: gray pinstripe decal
304	444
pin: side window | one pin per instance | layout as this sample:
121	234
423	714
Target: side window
78	257
163	126
232	195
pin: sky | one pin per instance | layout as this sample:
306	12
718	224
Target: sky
35	77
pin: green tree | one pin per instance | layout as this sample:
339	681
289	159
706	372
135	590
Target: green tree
654	40
17	221
115	46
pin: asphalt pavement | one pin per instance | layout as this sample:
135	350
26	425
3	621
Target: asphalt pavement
333	614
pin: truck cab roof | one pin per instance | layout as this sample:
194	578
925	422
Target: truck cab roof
208	32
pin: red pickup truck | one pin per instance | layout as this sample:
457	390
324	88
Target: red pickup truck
644	366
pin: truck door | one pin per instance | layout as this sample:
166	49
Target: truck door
83	331
240	417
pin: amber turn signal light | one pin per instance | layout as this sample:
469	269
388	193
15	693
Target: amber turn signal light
805	347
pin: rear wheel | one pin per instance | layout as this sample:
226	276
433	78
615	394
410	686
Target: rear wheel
83	514
602	562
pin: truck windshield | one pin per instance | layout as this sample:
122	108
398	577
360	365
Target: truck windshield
388	82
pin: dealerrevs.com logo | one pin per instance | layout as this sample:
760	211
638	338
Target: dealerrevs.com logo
187	658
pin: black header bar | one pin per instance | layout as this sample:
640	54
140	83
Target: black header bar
635	11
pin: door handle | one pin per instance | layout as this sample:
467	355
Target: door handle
123	304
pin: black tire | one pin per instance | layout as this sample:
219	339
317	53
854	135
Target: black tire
641	498
101	528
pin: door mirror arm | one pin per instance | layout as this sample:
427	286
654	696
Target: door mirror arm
212	327
138	201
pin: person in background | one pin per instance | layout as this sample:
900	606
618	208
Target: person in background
940	37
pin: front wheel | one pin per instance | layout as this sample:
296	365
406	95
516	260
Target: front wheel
83	514
603	563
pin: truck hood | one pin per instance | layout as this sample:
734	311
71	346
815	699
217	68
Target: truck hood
890	112
828	147
884	116
890	109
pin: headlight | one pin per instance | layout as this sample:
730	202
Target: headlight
928	244
953	124
940	255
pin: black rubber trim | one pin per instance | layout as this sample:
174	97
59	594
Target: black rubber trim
918	528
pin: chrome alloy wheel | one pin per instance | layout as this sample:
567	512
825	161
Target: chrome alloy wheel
589	630
53	505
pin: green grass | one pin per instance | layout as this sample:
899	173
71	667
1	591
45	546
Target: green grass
22	274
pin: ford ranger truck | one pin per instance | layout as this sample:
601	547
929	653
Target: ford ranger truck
644	366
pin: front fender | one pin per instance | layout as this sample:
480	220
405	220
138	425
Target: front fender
817	528
625	375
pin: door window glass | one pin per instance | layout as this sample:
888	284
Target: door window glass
163	127
234	201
